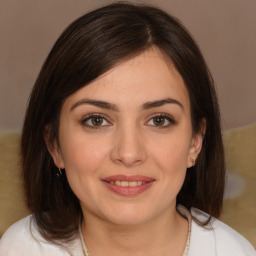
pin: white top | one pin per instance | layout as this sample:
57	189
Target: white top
23	239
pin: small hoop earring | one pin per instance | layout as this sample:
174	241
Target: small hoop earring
59	173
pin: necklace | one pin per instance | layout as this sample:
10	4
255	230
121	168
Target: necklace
186	214
181	209
85	250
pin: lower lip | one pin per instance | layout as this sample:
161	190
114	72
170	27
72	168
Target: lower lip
128	191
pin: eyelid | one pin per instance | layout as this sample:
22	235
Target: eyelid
169	117
91	115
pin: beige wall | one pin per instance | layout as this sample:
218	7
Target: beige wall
224	29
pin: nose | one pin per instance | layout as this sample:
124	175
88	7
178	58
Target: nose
129	147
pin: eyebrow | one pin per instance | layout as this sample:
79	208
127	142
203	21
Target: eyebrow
159	103
111	106
97	103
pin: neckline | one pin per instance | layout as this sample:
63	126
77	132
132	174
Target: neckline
180	208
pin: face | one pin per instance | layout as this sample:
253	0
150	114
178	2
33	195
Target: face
126	140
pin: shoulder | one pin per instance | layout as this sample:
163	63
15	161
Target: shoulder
227	240
218	238
17	234
22	238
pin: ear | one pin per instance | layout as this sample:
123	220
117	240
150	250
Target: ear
196	145
53	149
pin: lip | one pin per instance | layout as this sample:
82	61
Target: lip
128	191
128	178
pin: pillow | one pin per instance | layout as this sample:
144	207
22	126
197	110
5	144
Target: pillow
12	200
239	209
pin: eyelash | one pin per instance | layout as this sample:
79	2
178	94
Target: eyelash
89	117
169	118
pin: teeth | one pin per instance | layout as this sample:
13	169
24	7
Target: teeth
124	183
133	184
127	183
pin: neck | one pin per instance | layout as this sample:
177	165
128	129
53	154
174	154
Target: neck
160	236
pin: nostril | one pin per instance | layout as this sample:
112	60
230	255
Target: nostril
128	151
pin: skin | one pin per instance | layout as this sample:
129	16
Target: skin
128	140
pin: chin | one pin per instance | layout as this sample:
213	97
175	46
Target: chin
128	216
128	220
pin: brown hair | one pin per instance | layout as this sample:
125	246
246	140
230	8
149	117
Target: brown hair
90	46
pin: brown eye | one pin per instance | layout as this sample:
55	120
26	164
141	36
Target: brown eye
159	121
95	121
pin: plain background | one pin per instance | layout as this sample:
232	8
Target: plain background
224	29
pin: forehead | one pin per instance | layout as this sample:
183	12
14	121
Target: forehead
147	77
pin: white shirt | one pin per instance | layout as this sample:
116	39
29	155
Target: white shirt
217	239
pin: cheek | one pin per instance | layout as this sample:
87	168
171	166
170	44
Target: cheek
82	155
83	159
172	155
170	161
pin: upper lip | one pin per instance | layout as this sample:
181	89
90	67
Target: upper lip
128	178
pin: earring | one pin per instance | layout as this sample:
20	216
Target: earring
193	161
59	173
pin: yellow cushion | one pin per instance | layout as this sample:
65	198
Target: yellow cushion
12	202
239	209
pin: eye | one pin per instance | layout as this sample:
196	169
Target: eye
95	121
161	120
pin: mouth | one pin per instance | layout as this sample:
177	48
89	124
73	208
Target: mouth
128	185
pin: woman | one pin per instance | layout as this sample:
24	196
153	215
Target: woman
121	144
